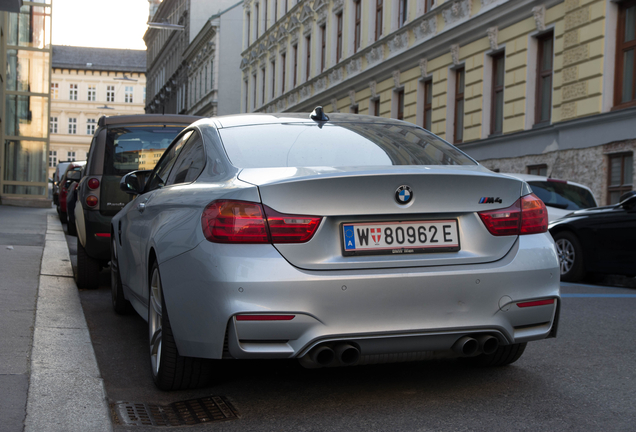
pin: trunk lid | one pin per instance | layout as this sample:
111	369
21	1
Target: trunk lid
368	195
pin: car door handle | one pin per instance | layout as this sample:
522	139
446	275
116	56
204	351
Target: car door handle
141	207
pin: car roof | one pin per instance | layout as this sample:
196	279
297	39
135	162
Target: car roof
148	118
277	118
531	177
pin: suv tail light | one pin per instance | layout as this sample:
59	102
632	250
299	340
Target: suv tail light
91	200
228	221
93	183
527	215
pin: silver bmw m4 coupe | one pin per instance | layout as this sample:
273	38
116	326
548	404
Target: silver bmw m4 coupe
337	240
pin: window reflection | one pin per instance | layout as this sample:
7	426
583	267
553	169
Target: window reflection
30	28
27	71
26	116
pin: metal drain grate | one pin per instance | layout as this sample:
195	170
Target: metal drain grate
185	413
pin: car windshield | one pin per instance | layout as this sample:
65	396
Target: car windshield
563	195
336	145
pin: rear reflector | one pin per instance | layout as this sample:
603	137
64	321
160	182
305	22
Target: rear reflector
527	215
102	235
226	221
536	303
265	317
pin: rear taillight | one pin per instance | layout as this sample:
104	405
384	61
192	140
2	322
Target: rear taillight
93	183
291	229
227	221
91	200
527	215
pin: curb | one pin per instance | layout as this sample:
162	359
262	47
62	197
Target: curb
66	391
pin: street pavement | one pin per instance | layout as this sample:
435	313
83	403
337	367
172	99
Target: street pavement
49	378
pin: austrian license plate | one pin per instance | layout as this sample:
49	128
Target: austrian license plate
390	238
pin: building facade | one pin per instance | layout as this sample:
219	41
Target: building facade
25	53
193	61
537	86
87	83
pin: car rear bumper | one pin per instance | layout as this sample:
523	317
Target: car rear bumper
383	311
97	228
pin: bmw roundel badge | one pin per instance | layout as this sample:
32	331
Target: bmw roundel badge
404	194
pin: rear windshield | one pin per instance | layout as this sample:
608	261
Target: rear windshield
562	195
130	148
336	145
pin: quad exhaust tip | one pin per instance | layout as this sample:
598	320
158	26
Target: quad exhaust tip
482	344
343	354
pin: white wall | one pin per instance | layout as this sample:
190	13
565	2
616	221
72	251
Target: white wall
228	62
202	10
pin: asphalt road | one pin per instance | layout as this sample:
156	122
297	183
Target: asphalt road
584	380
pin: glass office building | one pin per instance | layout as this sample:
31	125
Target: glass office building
26	52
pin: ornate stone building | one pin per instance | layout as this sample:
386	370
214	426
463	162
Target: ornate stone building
87	83
535	86
193	60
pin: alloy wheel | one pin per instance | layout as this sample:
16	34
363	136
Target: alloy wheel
154	321
565	250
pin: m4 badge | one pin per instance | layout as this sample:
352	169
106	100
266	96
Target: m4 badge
490	200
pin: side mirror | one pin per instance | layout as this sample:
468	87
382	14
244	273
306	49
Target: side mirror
74	175
133	182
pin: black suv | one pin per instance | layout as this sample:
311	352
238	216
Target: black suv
121	144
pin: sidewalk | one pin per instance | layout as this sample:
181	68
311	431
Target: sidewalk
49	378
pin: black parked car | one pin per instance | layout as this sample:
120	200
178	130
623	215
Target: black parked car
599	240
121	144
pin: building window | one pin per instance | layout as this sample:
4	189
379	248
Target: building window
308	59
295	69
283	66
621	176
249	25
323	46
73	91
427	100
625	93
256	12
375	107
53	125
353	109
403	12
247	98
544	80
459	105
55	90
262	86
358	25
338	37
90	126
70	156
92	93
128	94
254	92
110	93
428	5
379	10
72	126
400	104
53	159
497	96
538	170
273	79
211	74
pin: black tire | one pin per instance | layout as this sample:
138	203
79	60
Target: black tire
87	269
62	216
72	230
170	370
505	355
570	256
120	304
